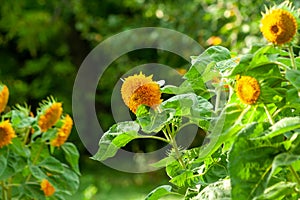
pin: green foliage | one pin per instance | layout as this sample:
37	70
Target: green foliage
30	157
250	150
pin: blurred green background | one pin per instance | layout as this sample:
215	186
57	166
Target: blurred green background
43	43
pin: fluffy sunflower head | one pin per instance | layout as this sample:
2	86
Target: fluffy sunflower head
4	94
47	188
247	89
7	133
50	113
279	24
64	132
139	89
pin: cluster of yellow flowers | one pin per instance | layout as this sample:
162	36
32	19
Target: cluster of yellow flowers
48	116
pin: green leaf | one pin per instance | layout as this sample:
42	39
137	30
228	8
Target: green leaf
164	162
34	191
283	159
278	191
159	192
284	125
52	164
250	163
116	137
19	148
49	134
72	155
67	182
294	77
15	164
153	121
220	190
185	178
39	151
194	107
37	172
202	68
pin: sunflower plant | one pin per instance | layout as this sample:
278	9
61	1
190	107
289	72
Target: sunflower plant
247	105
36	161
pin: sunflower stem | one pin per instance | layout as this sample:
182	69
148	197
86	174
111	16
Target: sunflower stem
295	174
155	137
172	136
269	115
4	191
35	160
291	51
26	136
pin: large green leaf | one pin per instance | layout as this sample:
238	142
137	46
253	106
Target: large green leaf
159	192
294	77
222	129
67	182
284	125
250	163
71	155
194	107
204	67
277	191
220	190
116	137
283	159
51	164
153	121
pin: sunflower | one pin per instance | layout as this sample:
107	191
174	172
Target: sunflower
278	24
248	89
7	133
139	89
64	132
148	94
4	93
49	115
47	188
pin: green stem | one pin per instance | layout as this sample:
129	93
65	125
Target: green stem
295	174
242	115
154	137
292	56
166	135
172	136
269	115
26	136
218	97
9	188
174	144
4	191
35	160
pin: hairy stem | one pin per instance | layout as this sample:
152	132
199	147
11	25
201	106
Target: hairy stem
292	56
172	136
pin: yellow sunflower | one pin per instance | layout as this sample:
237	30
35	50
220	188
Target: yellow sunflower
64	132
4	94
139	89
49	115
47	188
7	133
247	89
279	25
